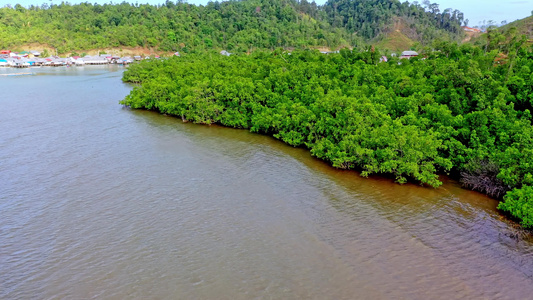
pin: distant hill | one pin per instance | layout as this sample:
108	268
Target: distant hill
523	26
237	26
397	37
375	19
500	37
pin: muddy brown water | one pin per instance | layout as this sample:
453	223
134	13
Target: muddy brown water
100	201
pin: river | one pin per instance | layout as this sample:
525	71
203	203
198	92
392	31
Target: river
101	201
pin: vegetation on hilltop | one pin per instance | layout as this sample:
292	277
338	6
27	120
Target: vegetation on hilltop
523	26
237	26
371	18
498	37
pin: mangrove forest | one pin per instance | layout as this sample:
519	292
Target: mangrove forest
461	110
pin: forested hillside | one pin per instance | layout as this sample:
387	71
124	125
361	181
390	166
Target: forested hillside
523	26
371	18
461	110
237	26
501	37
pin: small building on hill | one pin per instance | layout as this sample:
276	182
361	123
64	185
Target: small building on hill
470	29
409	54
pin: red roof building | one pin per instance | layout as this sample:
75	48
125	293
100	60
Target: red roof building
5	51
470	29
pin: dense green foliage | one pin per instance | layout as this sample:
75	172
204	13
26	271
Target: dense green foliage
371	17
456	111
237	26
519	202
523	26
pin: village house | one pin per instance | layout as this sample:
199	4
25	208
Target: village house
409	54
25	54
95	60
32	58
470	29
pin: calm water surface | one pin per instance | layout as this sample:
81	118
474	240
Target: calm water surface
99	201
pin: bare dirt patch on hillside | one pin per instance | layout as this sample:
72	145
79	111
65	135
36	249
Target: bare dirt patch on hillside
470	35
120	51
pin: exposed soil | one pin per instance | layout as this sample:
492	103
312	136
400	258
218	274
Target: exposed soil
398	37
470	35
396	41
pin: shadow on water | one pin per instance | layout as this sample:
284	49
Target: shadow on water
385	191
381	192
449	229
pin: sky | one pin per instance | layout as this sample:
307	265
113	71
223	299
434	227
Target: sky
476	11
